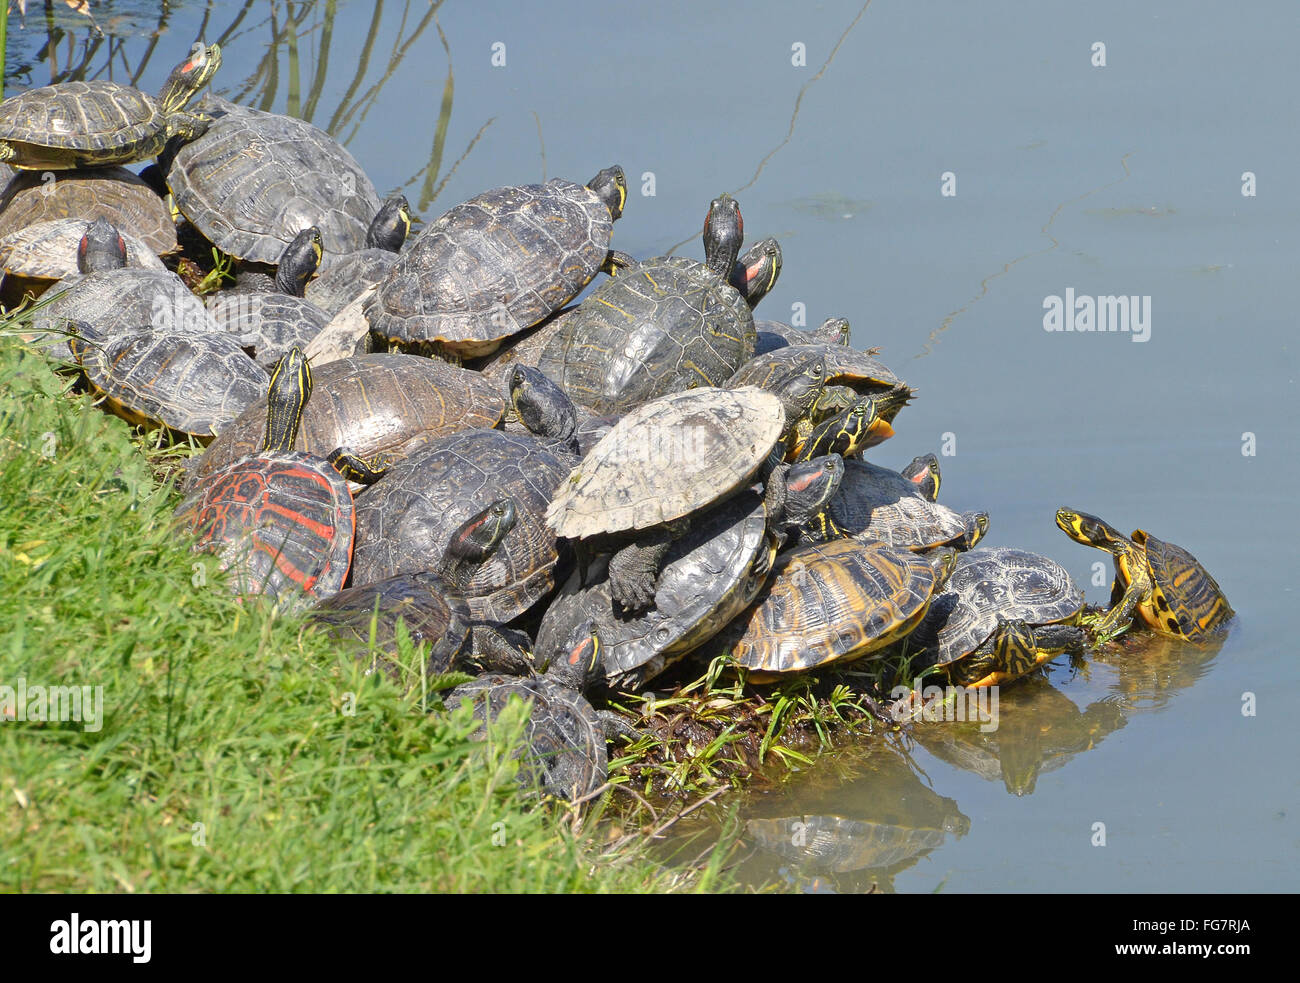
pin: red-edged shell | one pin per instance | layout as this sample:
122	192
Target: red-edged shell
283	524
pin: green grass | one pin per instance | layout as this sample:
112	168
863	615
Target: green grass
237	752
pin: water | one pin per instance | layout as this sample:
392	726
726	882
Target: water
1123	179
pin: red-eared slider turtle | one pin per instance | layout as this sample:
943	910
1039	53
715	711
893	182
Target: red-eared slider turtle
661	326
85	124
192	384
709	575
39	254
110	193
273	316
498	264
1003	613
255	179
660	463
564	753
405	521
863	424
379	405
773	334
832	603
875	504
282	521
432	606
108	298
344	276
1164	583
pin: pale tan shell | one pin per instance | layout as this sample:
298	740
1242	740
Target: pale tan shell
667	458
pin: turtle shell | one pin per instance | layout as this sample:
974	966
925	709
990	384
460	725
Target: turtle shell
829	602
405	521
341	279
705	580
268	323
667	459
564	749
283	524
772	335
81	124
875	504
104	305
845	366
493	266
111	193
421	601
664	326
191	384
254	180
989	586
48	250
1185	600
373	404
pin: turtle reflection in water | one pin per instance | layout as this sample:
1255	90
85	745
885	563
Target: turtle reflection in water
1040	728
863	813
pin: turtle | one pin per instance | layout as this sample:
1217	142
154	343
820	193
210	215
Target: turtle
190	384
771	335
1168	587
832	602
431	604
661	326
564	752
87	124
709	575
498	264
1004	612
283	521
848	434
404	522
36	256
754	271
110	193
255	179
875	504
659	464
381	405
270	315
342	277
109	298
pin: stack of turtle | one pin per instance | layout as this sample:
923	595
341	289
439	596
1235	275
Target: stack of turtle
593	492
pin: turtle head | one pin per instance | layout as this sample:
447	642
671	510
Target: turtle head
834	331
943	561
1091	531
286	398
810	486
724	230
390	226
541	405
923	472
101	248
977	527
299	262
800	386
756	272
474	540
187	78
610	187
578	664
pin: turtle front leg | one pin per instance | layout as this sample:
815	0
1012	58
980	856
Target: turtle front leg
498	649
615	727
6	151
188	126
634	569
1117	620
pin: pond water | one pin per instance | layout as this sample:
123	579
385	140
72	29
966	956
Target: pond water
841	129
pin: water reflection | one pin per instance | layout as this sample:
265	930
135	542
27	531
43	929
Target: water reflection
855	821
1040	728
